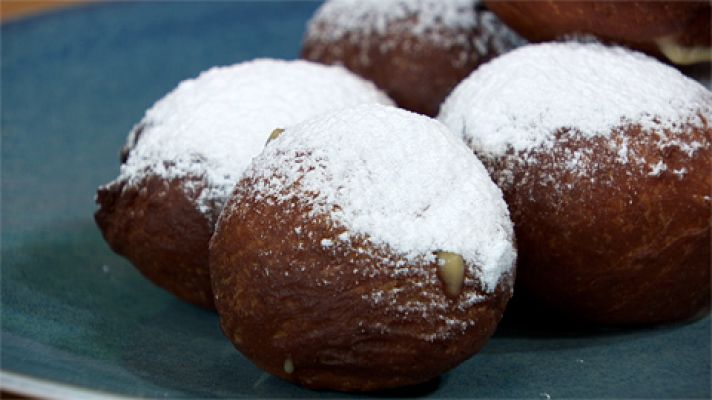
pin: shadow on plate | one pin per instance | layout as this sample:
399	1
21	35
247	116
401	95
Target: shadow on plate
413	391
63	287
173	349
529	327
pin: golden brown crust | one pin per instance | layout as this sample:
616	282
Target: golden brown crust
636	24
697	32
156	226
614	243
416	73
342	318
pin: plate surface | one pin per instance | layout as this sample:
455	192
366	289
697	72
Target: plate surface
73	84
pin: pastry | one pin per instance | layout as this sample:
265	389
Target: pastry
678	31
363	249
604	158
183	158
415	50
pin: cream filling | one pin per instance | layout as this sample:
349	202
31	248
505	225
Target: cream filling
682	55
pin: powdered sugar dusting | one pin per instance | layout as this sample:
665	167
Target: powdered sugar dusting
399	179
213	125
518	101
356	19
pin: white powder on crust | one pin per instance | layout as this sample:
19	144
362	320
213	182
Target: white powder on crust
356	19
213	125
517	102
399	179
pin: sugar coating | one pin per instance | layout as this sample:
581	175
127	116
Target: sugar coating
428	19
517	102
213	125
399	179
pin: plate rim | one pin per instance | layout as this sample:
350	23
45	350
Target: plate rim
26	385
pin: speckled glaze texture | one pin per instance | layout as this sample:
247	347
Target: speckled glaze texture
345	319
300	279
182	159
519	100
612	208
618	244
211	126
416	51
76	313
415	192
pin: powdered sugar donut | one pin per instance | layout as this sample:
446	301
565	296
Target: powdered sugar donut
604	158
415	50
677	31
182	160
364	249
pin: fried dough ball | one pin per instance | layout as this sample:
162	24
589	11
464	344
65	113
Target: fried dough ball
362	250
182	160
415	50
678	31
604	158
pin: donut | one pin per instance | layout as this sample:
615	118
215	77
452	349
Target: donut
678	31
604	158
182	159
364	249
415	50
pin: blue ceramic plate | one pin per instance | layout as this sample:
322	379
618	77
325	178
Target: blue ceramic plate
79	321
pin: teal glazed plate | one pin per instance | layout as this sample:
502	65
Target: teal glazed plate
78	321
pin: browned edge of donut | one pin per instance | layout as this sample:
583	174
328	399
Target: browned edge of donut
158	228
635	24
634	252
416	73
284	298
